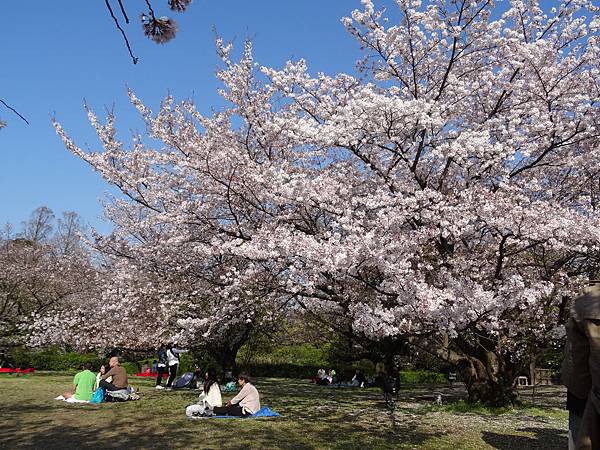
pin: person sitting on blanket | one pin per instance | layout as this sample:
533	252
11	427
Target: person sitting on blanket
331	376
145	368
209	398
118	374
321	377
83	384
246	403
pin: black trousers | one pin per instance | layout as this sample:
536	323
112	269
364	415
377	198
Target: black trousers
172	374
159	371
109	386
231	410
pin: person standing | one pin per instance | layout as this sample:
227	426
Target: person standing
161	366
173	362
581	370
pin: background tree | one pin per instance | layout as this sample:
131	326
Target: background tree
38	276
39	227
70	231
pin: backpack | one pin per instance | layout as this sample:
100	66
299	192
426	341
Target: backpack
230	387
162	356
98	395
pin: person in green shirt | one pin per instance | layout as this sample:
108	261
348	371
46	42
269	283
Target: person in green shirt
83	384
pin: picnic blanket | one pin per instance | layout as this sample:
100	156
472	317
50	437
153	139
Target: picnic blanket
70	399
17	370
152	375
265	411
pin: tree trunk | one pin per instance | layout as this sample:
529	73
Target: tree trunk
488	383
532	366
488	376
226	352
227	360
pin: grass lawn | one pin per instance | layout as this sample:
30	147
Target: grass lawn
312	417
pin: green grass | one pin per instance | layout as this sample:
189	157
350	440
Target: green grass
313	417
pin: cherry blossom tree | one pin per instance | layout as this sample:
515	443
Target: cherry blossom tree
446	194
156	289
39	227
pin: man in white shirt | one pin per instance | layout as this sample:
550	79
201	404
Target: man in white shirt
173	361
247	402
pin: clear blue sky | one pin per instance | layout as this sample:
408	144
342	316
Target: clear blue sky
56	53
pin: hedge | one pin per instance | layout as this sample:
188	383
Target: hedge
53	359
57	360
297	371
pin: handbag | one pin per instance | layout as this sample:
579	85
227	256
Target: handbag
98	395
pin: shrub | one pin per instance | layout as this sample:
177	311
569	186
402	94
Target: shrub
366	366
297	355
55	359
281	370
130	367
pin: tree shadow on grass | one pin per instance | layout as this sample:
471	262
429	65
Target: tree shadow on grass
118	435
545	439
46	435
545	396
363	436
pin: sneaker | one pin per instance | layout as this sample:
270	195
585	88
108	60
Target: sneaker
158	386
168	389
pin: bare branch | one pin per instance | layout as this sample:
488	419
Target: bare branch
14	110
135	59
123	11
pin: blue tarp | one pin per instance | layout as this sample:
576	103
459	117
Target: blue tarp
265	411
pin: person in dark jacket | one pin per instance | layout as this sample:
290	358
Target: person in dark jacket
161	366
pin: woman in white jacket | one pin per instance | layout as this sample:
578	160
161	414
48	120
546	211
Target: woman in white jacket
209	397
